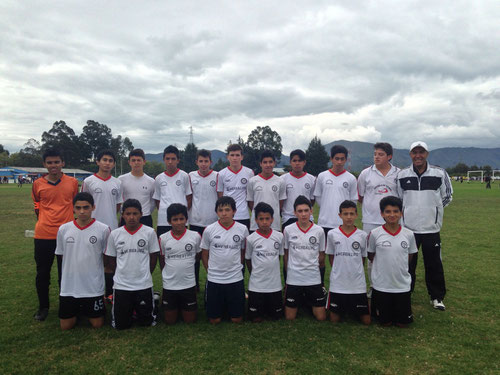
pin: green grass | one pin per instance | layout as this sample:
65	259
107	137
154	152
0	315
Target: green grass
462	340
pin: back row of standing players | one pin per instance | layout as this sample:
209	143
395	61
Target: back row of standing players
199	191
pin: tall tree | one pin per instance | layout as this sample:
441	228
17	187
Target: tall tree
261	138
189	157
317	157
95	137
121	147
2	150
28	156
63	138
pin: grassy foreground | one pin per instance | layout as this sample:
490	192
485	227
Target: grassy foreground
462	340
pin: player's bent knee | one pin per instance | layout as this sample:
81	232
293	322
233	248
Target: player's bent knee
334	318
366	319
189	316
97	322
67	323
237	320
215	321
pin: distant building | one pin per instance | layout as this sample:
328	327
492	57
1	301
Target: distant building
12	173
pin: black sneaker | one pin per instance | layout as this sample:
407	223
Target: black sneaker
41	314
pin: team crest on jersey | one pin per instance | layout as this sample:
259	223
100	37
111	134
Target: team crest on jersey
178	182
212	183
188	247
329	182
274	188
276	245
356	245
244	180
93	239
97	190
163	183
141	243
114	192
307	185
313	240
345	184
404	244
236	238
70	240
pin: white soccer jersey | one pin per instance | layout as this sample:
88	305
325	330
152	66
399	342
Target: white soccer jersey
224	246
171	189
202	212
348	274
264	252
330	191
373	186
234	184
132	257
107	194
180	256
295	186
140	188
82	266
390	265
270	191
303	254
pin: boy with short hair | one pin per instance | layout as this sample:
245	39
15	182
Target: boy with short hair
223	253
263	250
268	188
131	253
391	248
346	249
171	186
179	249
80	247
138	185
52	197
304	255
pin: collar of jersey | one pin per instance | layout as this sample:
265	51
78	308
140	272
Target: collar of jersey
299	176
392	234
350	234
103	179
132	233
182	235
304	231
336	175
226	228
269	235
86	226
238	171
260	175
172	175
374	168
209	173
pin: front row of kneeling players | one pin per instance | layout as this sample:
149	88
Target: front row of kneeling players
132	251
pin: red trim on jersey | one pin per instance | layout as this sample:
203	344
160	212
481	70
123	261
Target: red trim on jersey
172	175
392	234
266	237
260	175
100	178
182	235
336	175
297	177
134	232
307	230
235	172
350	234
86	226
226	228
209	173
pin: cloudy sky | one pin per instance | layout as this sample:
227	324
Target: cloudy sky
371	71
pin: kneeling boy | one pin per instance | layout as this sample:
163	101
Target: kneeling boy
131	254
391	247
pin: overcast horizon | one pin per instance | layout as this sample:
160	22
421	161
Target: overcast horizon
361	71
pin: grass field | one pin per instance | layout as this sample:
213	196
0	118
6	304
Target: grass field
462	340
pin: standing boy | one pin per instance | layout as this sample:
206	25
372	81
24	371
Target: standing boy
179	248
346	249
263	250
138	185
268	188
53	200
80	246
390	248
223	254
304	255
171	186
132	252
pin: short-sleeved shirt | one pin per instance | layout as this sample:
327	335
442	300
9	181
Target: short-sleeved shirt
330	191
234	184
171	189
295	186
264	252
348	274
390	265
54	202
180	256
373	186
82	248
140	188
224	246
202	212
107	195
303	254
132	250
268	190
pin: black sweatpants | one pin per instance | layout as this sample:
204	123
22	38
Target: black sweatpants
44	257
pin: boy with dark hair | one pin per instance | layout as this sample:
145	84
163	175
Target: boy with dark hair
179	250
346	249
268	188
80	247
263	250
223	254
171	186
131	253
204	187
304	255
52	197
390	248
138	185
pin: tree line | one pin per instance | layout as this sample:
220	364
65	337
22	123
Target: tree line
461	169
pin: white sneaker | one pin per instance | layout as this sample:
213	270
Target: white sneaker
438	304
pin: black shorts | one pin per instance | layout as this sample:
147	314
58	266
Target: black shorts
260	304
288	222
125	302
392	307
146	220
245	222
313	295
160	229
184	299
225	297
353	304
198	229
91	307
